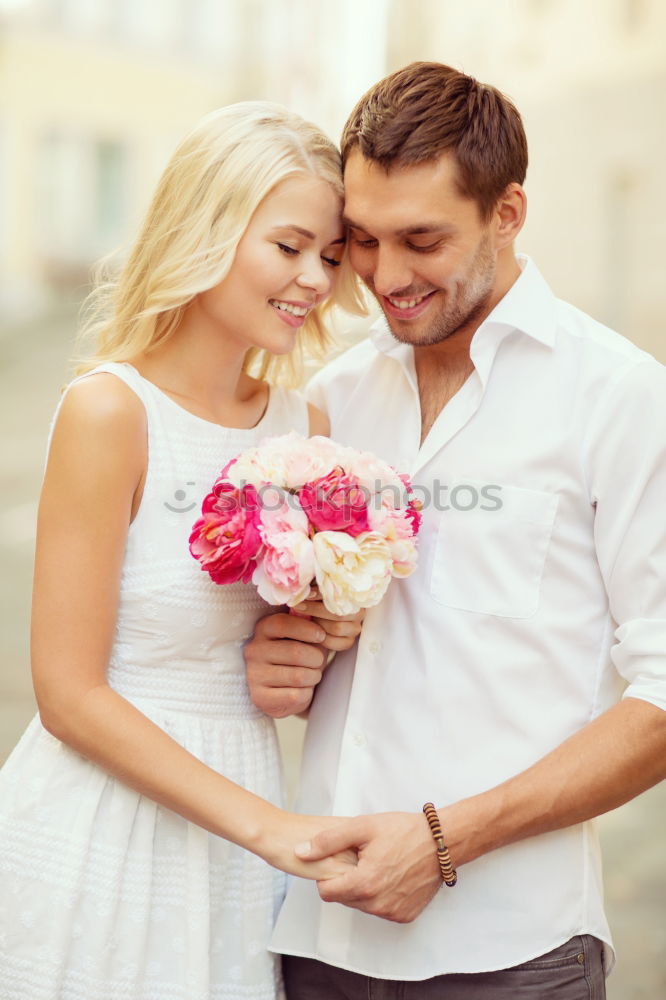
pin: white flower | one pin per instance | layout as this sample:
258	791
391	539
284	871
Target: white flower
288	461
257	466
310	459
352	573
404	556
375	475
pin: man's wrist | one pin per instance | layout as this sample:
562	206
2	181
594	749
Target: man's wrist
446	869
471	827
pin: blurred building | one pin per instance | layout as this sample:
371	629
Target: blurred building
91	96
590	81
94	95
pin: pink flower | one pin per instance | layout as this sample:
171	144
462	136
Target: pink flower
292	510
371	471
336	502
226	539
224	475
392	522
413	513
287	567
413	509
396	526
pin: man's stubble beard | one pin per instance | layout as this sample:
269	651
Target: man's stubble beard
468	307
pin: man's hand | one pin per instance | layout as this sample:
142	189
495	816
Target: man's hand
341	632
397	873
624	750
288	654
285	661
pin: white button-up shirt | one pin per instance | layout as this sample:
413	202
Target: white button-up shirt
539	597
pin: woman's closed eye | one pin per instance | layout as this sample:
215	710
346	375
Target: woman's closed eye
293	251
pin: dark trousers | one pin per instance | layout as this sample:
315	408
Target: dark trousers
574	971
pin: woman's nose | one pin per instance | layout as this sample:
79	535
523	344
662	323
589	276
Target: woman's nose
317	276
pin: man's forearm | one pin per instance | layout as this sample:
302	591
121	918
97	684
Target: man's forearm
614	758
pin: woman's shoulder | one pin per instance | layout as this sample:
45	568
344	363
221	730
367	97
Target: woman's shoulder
97	448
101	409
102	398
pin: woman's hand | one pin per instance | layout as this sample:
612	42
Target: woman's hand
291	830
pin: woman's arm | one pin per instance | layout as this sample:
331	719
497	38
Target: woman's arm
91	488
319	423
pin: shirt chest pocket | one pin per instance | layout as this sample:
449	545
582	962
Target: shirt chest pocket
491	549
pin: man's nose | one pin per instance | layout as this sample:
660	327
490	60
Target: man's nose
392	271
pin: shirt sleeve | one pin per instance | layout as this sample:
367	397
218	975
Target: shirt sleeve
626	465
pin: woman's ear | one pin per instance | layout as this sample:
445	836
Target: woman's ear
509	215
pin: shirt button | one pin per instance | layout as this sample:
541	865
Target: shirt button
358	739
375	647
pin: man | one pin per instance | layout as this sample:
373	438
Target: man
489	682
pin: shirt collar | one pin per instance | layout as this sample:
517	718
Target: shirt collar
529	306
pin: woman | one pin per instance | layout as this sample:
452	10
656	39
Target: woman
126	806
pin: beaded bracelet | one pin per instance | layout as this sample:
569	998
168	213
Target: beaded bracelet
448	872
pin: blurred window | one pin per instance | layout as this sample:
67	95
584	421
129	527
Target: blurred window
152	24
110	193
4	194
621	188
213	28
62	196
82	197
81	17
539	7
634	15
11	6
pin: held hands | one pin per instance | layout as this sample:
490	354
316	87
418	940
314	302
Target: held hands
287	655
290	829
397	872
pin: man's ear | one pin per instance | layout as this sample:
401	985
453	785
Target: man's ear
509	215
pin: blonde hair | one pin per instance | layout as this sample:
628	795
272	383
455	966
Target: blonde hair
214	182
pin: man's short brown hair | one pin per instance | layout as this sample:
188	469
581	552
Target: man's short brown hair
426	109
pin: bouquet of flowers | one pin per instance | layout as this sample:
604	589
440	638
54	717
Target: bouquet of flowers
294	511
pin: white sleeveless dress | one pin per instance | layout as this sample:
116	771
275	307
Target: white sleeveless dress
105	895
